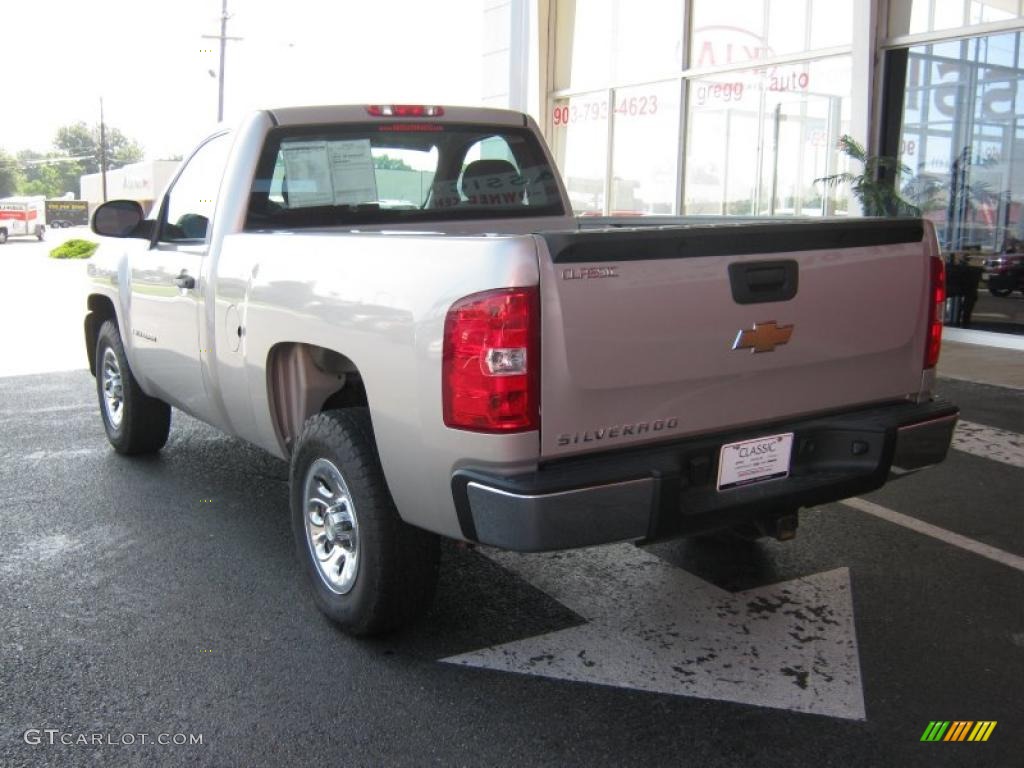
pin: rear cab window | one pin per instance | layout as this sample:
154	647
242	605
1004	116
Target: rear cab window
393	173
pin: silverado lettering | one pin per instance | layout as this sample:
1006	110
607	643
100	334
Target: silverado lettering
639	427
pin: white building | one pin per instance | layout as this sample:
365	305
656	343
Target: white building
139	181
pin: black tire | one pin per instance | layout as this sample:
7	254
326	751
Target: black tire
3	236
1000	292
40	233
144	421
396	564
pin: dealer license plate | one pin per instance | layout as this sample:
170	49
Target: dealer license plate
754	461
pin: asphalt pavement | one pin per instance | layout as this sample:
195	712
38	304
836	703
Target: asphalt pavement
159	599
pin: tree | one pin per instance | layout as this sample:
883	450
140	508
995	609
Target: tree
388	163
877	196
80	141
50	182
10	175
51	175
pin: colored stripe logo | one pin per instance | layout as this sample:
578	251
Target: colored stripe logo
958	730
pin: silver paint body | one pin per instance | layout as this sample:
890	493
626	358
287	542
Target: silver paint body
654	343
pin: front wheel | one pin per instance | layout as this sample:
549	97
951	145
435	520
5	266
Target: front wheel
135	422
3	236
1000	292
370	571
40	233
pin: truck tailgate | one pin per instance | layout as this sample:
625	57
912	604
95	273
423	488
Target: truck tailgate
650	334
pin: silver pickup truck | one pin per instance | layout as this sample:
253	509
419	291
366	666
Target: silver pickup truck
397	300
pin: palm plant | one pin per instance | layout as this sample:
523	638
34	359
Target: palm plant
876	196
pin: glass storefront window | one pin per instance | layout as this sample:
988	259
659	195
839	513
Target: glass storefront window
600	42
579	133
913	17
741	31
757	140
962	140
645	116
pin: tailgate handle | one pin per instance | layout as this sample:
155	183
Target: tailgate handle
761	282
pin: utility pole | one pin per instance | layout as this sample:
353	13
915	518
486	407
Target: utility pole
223	37
103	151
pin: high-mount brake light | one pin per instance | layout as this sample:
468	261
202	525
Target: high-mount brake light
936	308
404	110
490	380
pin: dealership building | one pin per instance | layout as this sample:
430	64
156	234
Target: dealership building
139	181
737	107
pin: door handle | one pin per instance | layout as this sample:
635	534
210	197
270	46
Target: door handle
185	280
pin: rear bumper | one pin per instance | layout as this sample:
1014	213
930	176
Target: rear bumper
670	490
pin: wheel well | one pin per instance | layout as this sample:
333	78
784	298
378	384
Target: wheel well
303	380
101	309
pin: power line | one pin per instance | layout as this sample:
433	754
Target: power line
48	160
15	162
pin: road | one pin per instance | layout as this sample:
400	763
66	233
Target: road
161	595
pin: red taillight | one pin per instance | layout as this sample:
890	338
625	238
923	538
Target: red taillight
490	379
404	110
936	310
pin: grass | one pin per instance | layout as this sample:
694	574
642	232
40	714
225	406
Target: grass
74	249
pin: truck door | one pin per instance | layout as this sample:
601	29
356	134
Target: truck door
166	288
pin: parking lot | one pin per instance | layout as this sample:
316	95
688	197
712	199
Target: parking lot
161	596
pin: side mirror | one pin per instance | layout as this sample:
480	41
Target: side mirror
119	218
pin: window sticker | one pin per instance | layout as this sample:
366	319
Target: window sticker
352	172
308	174
329	173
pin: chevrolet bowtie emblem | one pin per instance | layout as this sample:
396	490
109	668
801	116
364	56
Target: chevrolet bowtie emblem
764	337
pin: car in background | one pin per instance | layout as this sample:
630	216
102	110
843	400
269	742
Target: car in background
61	224
1004	273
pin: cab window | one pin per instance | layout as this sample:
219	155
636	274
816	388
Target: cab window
399	173
190	202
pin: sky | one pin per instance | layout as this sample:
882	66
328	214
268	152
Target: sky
149	63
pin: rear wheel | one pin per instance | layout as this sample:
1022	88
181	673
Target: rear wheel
1000	292
135	422
40	233
370	571
3	236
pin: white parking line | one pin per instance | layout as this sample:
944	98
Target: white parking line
996	555
989	443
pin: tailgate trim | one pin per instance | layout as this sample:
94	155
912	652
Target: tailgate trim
695	241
